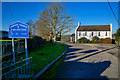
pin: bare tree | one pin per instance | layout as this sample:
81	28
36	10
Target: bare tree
32	27
55	19
30	24
43	26
66	26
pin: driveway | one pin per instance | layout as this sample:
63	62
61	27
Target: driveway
87	61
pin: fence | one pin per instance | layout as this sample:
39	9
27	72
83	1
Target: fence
6	48
18	70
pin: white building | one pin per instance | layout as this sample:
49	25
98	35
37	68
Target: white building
89	31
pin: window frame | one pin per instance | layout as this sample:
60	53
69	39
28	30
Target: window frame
79	33
85	33
99	33
92	33
106	34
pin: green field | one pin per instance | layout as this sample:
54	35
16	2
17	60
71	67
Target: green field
42	57
3	41
65	36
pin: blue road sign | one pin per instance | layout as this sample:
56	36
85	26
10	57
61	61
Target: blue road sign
18	30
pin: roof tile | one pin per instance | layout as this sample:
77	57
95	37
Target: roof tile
94	28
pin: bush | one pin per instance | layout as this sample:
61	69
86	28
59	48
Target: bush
89	41
83	40
117	39
106	40
101	40
98	41
113	41
95	38
92	41
78	40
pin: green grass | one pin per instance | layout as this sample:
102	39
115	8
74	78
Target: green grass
50	52
65	40
65	36
7	40
50	74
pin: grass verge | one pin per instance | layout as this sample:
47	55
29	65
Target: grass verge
51	71
7	40
42	57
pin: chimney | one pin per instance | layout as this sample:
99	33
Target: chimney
79	24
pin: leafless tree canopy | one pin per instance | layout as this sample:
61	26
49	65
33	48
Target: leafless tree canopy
54	21
30	24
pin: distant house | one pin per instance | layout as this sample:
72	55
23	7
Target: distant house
72	38
65	38
3	34
89	31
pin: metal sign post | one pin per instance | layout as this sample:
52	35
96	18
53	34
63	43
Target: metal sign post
26	52
13	49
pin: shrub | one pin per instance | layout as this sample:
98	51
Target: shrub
78	40
95	38
113	41
101	40
117	38
89	41
92	41
86	41
82	40
116	42
98	41
107	40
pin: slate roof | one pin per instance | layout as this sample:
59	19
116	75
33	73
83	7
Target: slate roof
94	28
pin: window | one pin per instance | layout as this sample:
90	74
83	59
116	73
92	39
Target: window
76	34
85	33
92	33
99	34
106	34
79	33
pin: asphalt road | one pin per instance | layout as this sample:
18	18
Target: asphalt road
88	62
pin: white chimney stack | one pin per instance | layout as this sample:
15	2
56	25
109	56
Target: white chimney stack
79	24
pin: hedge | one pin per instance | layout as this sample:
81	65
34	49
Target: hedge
35	43
96	40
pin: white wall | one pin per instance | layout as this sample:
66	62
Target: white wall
95	33
111	31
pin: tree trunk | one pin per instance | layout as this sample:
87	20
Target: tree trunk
55	36
34	31
60	36
50	37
